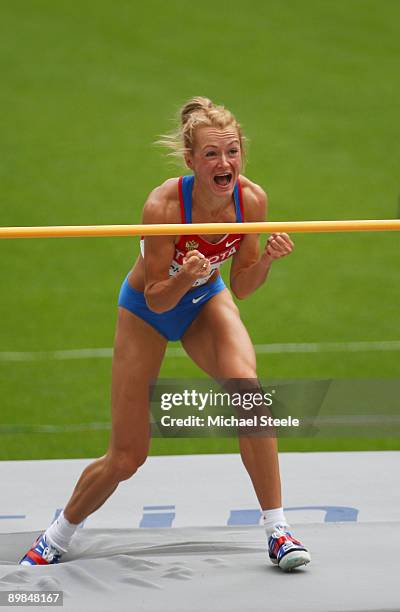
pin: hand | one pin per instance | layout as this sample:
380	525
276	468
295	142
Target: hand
278	245
196	264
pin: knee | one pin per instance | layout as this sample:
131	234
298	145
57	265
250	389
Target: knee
124	465
248	373
240	373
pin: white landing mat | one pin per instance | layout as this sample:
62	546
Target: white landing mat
184	535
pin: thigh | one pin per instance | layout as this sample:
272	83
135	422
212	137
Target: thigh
138	353
218	341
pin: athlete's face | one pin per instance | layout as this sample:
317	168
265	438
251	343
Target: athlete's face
216	159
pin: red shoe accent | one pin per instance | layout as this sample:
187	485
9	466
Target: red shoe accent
36	557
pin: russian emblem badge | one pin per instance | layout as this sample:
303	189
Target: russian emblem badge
191	245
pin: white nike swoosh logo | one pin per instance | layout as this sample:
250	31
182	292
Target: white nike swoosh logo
228	244
195	300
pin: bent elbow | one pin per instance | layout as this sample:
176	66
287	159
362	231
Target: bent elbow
155	307
152	303
240	295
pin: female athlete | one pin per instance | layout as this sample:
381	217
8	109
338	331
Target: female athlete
175	292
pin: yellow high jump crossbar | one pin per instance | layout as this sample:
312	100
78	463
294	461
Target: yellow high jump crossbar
176	229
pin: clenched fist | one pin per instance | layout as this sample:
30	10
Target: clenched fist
196	264
278	245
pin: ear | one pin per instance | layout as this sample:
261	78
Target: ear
188	160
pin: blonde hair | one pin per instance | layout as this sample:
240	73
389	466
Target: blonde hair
198	112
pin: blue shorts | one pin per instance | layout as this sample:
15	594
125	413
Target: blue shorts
173	323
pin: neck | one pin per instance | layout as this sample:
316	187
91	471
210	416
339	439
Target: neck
202	199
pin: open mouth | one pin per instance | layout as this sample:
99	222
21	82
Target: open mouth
223	180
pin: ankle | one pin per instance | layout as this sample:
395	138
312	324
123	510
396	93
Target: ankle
274	519
60	533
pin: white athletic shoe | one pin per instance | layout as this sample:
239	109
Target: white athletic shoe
41	553
285	551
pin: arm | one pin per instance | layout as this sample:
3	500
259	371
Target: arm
162	292
249	269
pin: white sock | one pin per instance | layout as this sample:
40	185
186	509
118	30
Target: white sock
60	532
274	519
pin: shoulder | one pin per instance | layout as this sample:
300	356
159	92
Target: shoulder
255	200
162	204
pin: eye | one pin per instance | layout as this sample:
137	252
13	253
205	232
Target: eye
210	153
233	151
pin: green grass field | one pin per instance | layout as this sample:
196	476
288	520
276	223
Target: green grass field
85	92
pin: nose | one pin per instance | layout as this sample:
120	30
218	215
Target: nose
223	159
